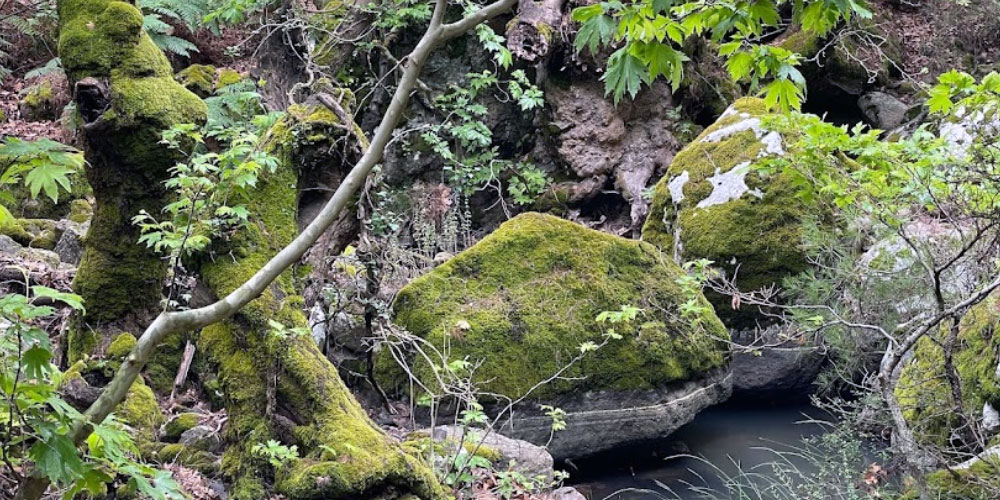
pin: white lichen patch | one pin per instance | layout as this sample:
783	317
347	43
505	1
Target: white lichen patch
772	145
771	140
729	186
676	187
747	123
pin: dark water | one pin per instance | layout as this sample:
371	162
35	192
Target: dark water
721	435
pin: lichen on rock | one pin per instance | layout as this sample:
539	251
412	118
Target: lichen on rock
712	204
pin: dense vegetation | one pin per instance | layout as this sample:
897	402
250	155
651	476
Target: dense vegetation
413	249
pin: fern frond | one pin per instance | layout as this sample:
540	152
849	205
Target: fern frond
54	65
173	44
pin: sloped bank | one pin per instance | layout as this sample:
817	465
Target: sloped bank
521	302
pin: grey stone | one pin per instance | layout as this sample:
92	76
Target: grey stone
70	244
599	421
567	493
47	257
201	437
522	456
883	110
8	245
991	418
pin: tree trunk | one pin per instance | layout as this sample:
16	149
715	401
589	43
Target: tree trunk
535	32
126	96
279	385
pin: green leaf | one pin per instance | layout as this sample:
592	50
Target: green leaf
48	177
36	362
625	73
56	458
71	299
595	32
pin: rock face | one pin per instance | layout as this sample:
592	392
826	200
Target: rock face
785	371
713	205
527	296
882	110
628	143
603	420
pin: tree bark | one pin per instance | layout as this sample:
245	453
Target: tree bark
126	95
535	32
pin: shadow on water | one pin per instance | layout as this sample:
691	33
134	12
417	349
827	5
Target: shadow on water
723	436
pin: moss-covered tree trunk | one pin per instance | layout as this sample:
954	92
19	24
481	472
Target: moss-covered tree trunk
125	93
278	385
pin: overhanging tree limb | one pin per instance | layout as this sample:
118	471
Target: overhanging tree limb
167	323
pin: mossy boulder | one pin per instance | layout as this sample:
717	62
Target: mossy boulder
34	233
521	302
44	100
180	423
141	411
712	204
851	63
204	79
923	390
527	296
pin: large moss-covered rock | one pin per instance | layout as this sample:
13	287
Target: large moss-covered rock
923	390
521	302
126	97
713	204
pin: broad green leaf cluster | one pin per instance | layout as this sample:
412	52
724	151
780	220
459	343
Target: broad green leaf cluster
647	36
44	166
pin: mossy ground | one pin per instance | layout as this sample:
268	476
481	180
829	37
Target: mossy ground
761	237
923	390
523	300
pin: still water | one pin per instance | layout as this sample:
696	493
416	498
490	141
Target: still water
724	436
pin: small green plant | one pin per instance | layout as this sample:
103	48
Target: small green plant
43	166
35	420
209	187
692	282
275	453
282	332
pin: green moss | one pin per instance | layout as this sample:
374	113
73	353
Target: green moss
198	78
121	346
978	482
141	410
39	102
179	424
227	77
161	370
760	235
34	233
199	460
80	211
527	296
103	39
248	358
418	444
924	392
